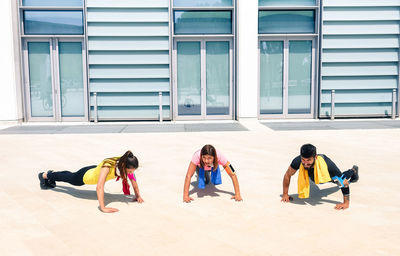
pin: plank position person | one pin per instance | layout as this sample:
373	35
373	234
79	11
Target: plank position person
320	169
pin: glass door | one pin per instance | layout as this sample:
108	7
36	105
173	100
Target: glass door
203	79
55	80
286	78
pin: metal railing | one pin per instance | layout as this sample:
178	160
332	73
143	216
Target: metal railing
95	107
394	94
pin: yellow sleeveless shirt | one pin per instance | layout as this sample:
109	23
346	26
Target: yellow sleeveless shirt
91	177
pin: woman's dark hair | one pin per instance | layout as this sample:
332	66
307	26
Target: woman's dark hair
209	150
127	161
308	150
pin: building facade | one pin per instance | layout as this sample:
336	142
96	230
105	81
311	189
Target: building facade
104	60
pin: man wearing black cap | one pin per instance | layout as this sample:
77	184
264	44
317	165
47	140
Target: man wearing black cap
320	169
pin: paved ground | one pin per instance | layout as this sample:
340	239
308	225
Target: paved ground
66	220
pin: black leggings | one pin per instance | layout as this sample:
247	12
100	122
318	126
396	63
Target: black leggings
74	178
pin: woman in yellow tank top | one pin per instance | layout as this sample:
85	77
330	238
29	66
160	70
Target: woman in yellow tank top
110	168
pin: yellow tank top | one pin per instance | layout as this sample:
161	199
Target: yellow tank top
92	175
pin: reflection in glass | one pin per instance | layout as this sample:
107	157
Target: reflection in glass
287	2
189	78
217	78
68	3
271	77
300	58
53	23
202	3
282	22
40	86
71	79
202	22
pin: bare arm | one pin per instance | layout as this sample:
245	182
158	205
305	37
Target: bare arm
136	190
235	182
191	170
286	182
100	190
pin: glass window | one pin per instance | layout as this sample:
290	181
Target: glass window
271	77
52	3
189	78
217	78
71	78
40	86
299	84
53	22
203	3
287	2
284	22
202	22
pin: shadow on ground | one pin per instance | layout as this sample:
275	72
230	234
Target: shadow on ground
316	196
209	190
92	195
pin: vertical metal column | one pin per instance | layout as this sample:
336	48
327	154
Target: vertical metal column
95	106
394	104
332	104
160	106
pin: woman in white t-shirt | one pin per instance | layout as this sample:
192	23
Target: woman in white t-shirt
208	160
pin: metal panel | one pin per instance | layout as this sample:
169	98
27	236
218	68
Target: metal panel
358	96
129	71
130	113
129	57
359	56
361	13
130	99
128	3
357	41
130	85
358	82
127	29
359	69
363	109
361	27
128	43
127	15
361	3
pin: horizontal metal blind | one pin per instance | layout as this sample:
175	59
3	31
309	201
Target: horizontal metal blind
128	44
360	56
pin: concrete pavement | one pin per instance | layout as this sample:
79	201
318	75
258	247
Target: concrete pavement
67	221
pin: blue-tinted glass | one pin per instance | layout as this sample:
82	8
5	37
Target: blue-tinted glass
52	2
71	79
203	22
287	2
283	22
53	22
40	77
271	77
202	3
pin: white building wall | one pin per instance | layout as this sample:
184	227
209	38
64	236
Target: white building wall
8	84
247	58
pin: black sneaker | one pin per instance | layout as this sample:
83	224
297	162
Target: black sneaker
50	183
43	183
355	176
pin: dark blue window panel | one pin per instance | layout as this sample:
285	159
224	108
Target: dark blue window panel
53	22
68	3
286	22
202	22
